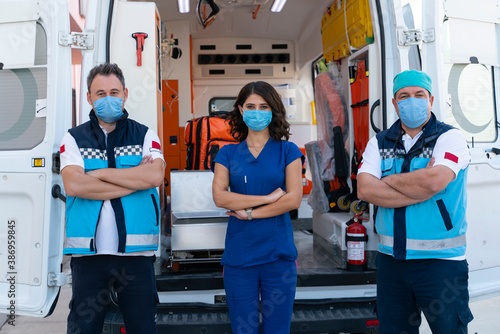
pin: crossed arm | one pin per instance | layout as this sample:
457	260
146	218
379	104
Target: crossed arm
398	190
273	204
109	183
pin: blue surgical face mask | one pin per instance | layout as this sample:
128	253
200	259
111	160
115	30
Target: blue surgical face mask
413	111
257	120
109	109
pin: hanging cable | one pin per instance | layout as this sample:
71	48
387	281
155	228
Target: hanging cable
345	23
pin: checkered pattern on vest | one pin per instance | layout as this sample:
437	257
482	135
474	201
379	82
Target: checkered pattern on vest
389	153
93	153
128	150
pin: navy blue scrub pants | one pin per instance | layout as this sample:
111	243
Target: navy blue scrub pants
438	288
133	279
275	282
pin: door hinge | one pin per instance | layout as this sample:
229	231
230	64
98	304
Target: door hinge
56	162
415	36
77	40
59	279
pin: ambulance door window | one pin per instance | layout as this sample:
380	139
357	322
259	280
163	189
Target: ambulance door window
471	100
23	92
412	19
220	104
40	46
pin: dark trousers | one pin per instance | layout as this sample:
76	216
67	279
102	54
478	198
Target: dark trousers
408	288
275	283
133	280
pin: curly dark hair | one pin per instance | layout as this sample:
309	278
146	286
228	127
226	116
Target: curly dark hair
278	128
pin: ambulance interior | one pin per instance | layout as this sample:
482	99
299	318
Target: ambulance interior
207	55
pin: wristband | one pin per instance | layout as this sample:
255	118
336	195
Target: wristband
249	213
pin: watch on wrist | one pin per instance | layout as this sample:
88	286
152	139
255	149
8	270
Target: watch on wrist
249	213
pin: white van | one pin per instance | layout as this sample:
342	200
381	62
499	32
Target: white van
192	63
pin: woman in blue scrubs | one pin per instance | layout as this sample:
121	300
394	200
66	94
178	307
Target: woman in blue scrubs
264	173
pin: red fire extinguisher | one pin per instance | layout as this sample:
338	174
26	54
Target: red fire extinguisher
356	239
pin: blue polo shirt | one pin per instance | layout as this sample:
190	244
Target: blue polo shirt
258	241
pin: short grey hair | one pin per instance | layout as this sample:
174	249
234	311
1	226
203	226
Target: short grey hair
105	69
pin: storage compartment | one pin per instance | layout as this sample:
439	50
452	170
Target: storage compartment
346	24
198	226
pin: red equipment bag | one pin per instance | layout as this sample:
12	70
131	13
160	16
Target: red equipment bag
213	147
197	135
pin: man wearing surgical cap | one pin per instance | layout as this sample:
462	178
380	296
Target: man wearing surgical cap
415	174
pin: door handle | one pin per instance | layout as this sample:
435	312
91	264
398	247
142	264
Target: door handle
56	193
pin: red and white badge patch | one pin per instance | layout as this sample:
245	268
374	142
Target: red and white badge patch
155	147
62	149
451	157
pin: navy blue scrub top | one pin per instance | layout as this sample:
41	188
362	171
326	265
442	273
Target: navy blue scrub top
258	241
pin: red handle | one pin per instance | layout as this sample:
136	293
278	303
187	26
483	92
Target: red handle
139	43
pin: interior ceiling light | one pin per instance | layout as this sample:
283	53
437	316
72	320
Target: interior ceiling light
183	6
278	5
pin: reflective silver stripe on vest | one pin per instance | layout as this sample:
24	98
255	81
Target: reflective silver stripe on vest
132	240
77	243
142	239
426	245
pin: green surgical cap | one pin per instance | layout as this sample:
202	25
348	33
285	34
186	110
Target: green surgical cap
412	78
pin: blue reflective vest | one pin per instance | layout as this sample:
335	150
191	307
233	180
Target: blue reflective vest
137	215
431	229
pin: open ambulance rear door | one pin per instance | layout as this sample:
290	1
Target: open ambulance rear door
458	44
35	112
127	33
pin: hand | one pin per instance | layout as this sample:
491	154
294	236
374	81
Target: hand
431	162
147	159
240	214
275	195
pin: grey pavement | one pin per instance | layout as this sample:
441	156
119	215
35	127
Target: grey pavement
53	324
485	317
